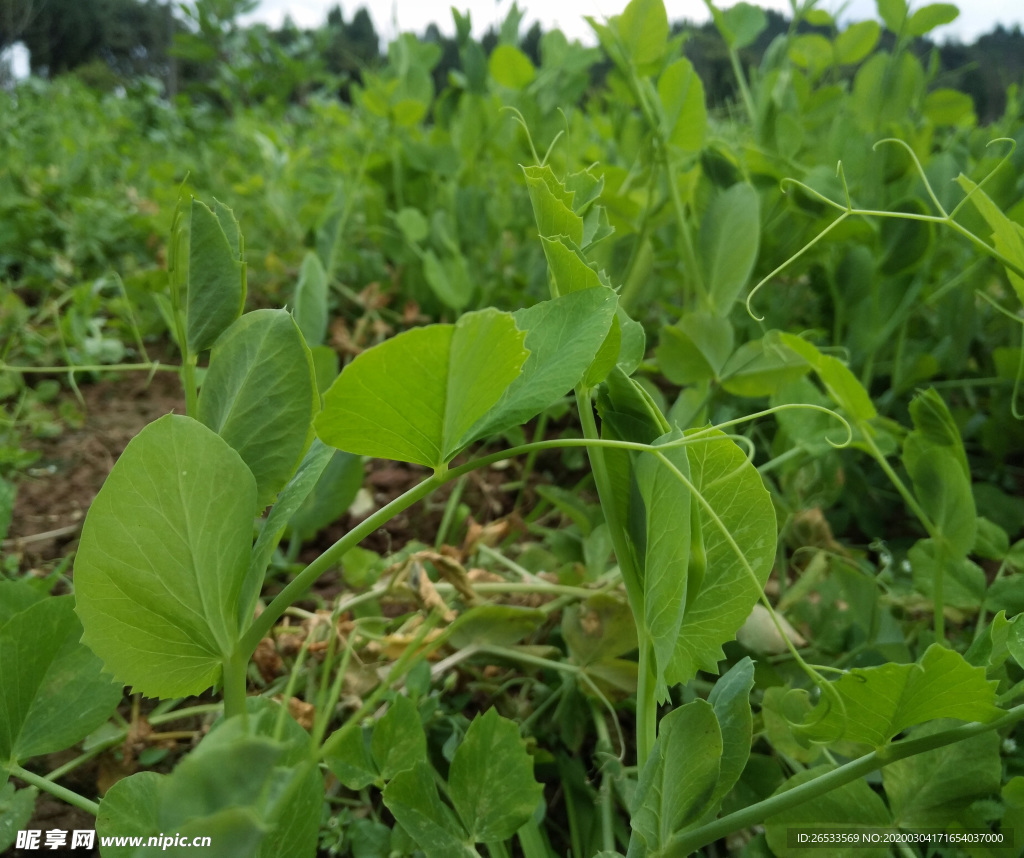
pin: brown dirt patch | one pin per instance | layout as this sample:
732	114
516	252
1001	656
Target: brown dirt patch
55	493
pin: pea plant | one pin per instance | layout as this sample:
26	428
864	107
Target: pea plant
176	592
168	578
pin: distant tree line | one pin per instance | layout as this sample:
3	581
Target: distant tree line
202	50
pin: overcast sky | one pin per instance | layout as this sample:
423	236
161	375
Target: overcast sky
391	16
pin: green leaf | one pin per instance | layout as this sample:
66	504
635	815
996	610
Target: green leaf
856	42
665	546
927	18
413	224
1015	640
294	793
289	500
934	456
631	351
695	348
571	273
730	698
812	52
495	625
963	582
893	12
325	366
945	495
131	807
990	540
643	28
739	534
949	107
881	702
415	397
351	761
412	797
216	275
510	67
852	806
398	742
449	279
886	88
1007	235
16	596
562	336
685	115
905	243
932	789
310	309
629	411
53	690
217	789
744	23
157	586
259	395
491	779
842	385
760	368
600	628
934	426
552	206
254	796
677	785
332	495
16	809
729	237
607	355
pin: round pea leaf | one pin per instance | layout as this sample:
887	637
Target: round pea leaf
164	550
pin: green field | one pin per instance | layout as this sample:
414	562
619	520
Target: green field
516	448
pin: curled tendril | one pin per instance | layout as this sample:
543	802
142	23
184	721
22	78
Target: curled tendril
787	406
848	209
845	214
831	699
529	137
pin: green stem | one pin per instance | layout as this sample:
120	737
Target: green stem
605	798
118	738
496	849
188	712
235	682
91	367
929	526
450	509
94	751
531	457
646	703
415	650
631	285
685	843
741	81
307	577
531	840
606	494
64	794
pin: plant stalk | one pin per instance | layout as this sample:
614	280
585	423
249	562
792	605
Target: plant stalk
56	790
687	842
307	577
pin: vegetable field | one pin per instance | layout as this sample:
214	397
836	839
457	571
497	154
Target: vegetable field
535	462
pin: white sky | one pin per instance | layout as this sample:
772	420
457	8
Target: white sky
976	16
393	16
